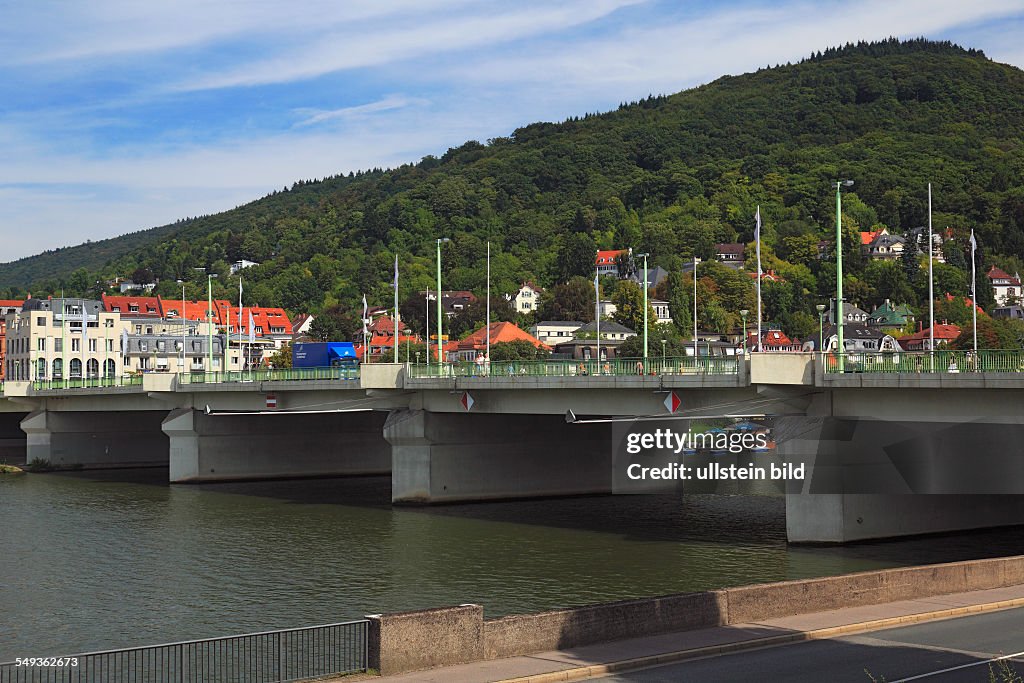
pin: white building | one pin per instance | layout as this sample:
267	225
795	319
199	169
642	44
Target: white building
528	298
242	265
1005	287
552	332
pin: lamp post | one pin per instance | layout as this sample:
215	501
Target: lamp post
663	356
695	262
209	319
839	266
440	341
645	255
821	328
743	314
184	325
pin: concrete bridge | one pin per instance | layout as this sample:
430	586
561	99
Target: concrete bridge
449	436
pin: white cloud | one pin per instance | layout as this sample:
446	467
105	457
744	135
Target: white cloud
390	103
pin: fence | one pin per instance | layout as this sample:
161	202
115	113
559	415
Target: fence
581	368
268	657
281	374
87	382
916	362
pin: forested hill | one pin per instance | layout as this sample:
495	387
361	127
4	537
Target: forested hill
670	175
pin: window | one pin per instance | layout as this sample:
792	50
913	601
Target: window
115	309
92	346
149	329
58	345
41	321
76	344
41	368
133	308
58	368
110	345
92	368
75	367
143	346
41	344
138	329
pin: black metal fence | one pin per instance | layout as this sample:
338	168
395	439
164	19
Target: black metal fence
268	657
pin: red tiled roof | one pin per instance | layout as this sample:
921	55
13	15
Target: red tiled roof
500	332
609	256
145	305
995	273
942	331
867	238
11	302
770	339
769	275
262	317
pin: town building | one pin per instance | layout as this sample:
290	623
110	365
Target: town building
661	311
890	315
527	299
1014	312
453	302
125	286
655	276
919	238
730	253
857	337
476	344
886	247
921	340
188	350
1005	287
852	314
301	325
610	331
607	261
242	264
554	331
773	340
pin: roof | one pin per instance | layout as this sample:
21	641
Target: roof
609	256
531	285
299	321
730	248
770	338
995	273
9	303
607	327
655	276
559	323
263	317
149	306
942	331
499	332
887	313
767	275
883	240
384	324
868	237
856	331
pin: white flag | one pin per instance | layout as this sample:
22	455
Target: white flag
252	329
974	244
124	342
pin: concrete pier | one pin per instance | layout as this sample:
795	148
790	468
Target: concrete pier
258	446
95	439
449	457
12	439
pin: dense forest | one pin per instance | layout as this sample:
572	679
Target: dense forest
669	175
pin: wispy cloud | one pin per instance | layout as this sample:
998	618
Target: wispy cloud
392	102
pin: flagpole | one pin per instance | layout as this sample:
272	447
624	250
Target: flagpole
757	237
366	346
427	338
695	262
396	308
209	320
487	355
931	285
597	315
241	346
974	295
64	369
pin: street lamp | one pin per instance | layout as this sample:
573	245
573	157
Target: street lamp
743	314
209	319
184	325
663	357
645	255
839	266
440	341
821	328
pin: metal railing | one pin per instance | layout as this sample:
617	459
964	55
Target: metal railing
926	362
264	375
87	382
704	365
267	657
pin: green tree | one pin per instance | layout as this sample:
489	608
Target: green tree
520	349
573	300
335	323
576	256
629	307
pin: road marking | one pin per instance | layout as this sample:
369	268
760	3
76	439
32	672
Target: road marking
957	668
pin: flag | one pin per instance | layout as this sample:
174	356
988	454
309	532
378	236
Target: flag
974	243
395	284
252	329
124	341
757	240
365	308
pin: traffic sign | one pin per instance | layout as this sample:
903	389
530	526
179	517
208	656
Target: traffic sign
673	402
271	400
467	401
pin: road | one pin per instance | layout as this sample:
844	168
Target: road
959	649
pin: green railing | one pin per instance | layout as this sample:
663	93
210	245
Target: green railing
917	362
576	368
276	375
87	382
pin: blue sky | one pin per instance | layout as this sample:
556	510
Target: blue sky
119	115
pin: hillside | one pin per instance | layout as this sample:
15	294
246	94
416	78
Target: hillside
669	175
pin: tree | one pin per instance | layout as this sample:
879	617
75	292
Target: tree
573	300
520	349
576	256
413	352
335	323
282	358
629	307
633	347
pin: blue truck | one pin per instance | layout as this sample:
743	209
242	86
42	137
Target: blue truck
324	355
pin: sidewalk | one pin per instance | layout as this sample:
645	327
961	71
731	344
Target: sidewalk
594	660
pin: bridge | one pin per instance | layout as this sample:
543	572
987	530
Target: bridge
463	433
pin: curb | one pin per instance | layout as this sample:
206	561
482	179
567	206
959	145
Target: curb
584	672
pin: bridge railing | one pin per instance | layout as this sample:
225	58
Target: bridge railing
585	368
265	375
267	657
927	362
87	382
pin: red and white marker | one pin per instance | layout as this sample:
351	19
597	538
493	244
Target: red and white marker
271	400
466	400
672	402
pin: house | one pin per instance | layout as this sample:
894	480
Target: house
851	314
1014	312
1006	288
919	237
607	261
554	331
8	306
766	276
610	331
661	310
655	276
886	247
889	315
921	340
242	264
301	324
475	344
129	286
527	299
730	253
869	236
606	308
716	348
586	349
774	341
453	302
133	306
858	337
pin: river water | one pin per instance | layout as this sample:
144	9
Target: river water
120	558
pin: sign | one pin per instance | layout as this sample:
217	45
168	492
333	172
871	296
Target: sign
444	337
672	402
271	400
467	401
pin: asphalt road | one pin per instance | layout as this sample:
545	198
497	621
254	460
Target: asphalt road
930	652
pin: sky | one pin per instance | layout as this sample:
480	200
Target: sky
120	115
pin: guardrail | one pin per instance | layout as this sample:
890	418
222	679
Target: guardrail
576	368
925	362
267	657
87	382
278	375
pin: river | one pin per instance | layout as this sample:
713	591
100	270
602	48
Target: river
99	560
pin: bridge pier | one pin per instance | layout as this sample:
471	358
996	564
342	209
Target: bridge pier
450	457
267	446
95	439
12	439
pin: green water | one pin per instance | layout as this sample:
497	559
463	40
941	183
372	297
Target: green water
115	559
